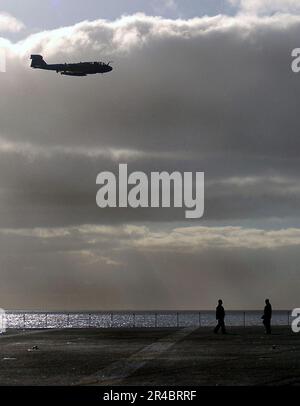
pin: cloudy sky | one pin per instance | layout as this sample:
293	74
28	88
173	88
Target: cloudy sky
196	86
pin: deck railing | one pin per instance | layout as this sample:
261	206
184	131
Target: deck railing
137	319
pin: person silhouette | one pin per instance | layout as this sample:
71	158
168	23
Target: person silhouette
220	316
267	316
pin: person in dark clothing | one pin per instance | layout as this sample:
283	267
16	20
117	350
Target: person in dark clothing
220	316
267	316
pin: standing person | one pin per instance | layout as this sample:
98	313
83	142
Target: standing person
220	316
267	316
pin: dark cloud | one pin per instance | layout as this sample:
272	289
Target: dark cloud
211	94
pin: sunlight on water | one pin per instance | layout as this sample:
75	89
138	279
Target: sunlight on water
20	320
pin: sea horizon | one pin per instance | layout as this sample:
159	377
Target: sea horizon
21	319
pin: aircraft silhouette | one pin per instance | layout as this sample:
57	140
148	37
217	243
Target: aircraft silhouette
71	69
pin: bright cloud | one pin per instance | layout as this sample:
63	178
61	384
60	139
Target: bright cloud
182	239
8	23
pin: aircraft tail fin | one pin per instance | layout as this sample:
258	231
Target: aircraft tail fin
37	61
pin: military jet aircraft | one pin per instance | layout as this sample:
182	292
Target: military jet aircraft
71	69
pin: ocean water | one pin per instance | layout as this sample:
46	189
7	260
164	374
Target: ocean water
35	320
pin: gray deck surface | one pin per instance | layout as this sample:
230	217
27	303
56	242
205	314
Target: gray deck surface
246	356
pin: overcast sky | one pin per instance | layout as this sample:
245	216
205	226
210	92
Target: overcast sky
196	86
